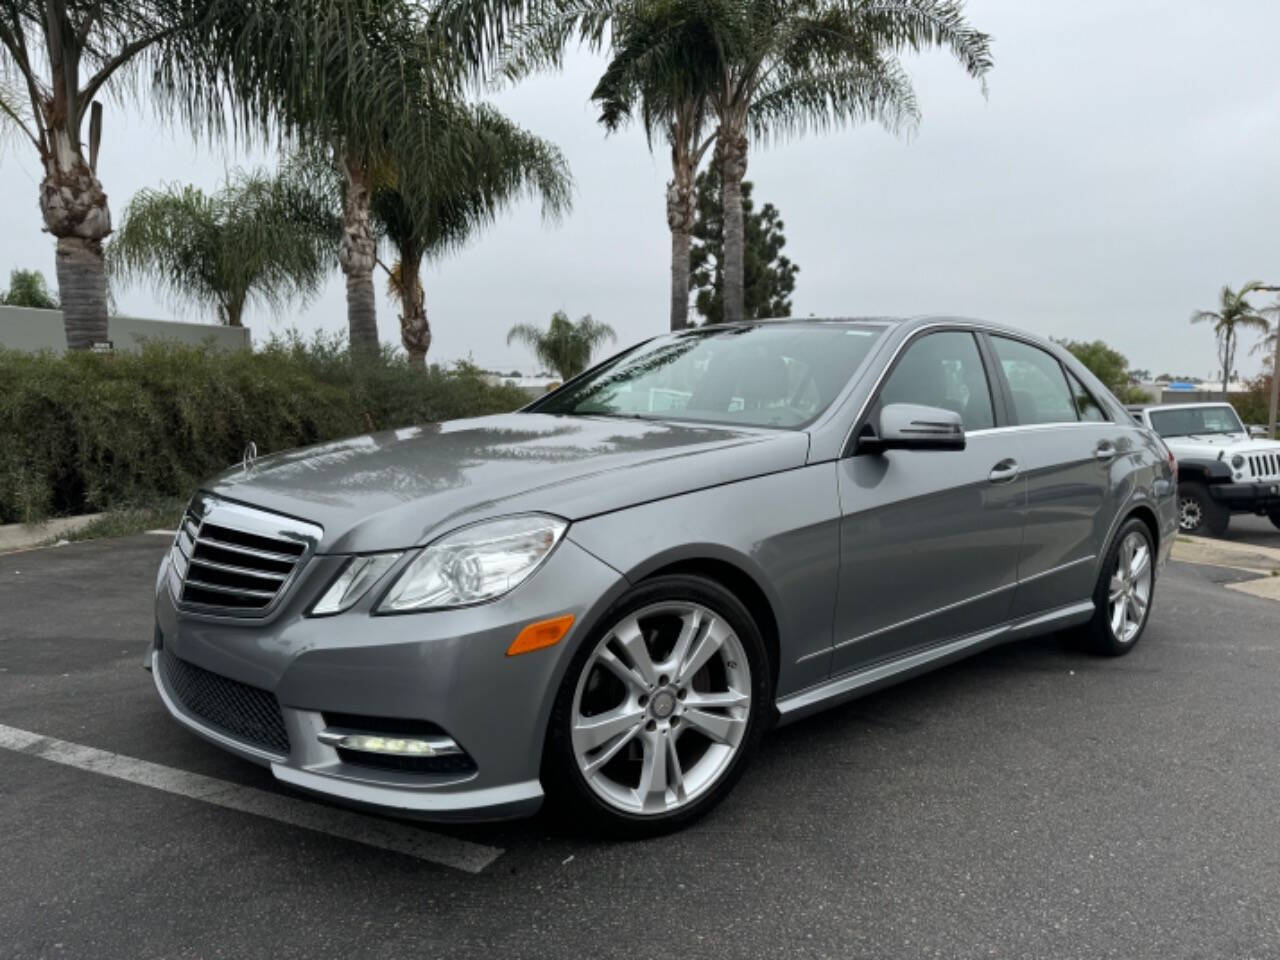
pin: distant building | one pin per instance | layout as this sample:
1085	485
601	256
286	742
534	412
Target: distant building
534	386
31	331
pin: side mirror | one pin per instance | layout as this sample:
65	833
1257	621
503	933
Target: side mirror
908	426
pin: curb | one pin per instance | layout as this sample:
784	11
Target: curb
22	536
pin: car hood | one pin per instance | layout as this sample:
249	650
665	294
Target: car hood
404	487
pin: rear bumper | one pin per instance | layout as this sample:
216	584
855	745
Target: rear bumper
1259	496
447	668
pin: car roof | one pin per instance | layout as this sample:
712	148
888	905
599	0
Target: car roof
913	321
1182	406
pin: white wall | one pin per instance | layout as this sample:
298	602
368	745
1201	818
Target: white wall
30	330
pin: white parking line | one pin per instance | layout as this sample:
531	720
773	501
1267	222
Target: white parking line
374	832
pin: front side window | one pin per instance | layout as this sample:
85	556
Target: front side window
943	370
769	375
1040	391
1086	405
1196	421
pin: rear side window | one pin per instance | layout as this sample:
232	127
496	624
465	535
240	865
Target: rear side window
1086	405
943	370
1040	391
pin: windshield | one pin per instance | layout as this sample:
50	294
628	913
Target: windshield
771	375
1194	421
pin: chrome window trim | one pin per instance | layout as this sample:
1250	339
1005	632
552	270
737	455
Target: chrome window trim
971	326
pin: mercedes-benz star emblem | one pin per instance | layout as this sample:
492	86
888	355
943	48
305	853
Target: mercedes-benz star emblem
250	456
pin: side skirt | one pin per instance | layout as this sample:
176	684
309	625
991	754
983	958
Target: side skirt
850	686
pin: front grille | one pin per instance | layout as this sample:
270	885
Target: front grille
234	708
1265	466
235	560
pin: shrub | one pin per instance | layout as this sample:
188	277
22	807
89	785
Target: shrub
86	432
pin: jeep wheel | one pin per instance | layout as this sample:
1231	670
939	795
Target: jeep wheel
1199	513
1275	518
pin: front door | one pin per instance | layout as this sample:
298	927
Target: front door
929	540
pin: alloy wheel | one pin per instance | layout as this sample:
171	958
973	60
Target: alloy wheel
1190	514
661	708
1130	589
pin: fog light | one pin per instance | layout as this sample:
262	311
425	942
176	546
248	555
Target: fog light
392	746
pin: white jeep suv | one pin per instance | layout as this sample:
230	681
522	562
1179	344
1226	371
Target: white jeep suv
1221	469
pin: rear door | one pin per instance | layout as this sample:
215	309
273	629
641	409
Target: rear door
929	540
1069	450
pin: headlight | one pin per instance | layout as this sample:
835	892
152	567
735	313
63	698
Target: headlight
1237	461
475	564
356	578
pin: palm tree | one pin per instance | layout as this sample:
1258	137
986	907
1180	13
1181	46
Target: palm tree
261	237
1271	344
273	62
673	96
1234	313
776	67
566	347
504	163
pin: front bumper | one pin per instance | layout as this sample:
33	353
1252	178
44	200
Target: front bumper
448	668
1259	496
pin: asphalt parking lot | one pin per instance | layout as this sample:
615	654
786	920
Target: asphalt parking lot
1031	802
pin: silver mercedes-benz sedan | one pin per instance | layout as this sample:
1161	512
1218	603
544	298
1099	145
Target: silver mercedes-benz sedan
610	595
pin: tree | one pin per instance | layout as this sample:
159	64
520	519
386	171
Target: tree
1108	365
269	68
27	288
1270	349
505	163
672	94
566	347
1234	313
770	277
261	237
758	69
789	66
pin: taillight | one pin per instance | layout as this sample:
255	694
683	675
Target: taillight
1173	465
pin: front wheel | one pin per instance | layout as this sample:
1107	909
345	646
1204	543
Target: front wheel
660	709
1122	597
1275	518
1199	513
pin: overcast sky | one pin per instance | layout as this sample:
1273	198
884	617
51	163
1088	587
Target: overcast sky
1123	167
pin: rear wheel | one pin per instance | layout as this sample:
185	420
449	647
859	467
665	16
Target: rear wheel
1122	597
660	709
1199	513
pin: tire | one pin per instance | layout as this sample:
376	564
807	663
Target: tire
607	778
1275	518
1199	513
1125	580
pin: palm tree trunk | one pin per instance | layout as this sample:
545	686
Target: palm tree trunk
680	218
75	211
1275	387
415	330
357	254
731	153
1226	362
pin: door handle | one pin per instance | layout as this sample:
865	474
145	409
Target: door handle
1004	471
1104	452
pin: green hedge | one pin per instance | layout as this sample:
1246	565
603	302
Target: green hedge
86	432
